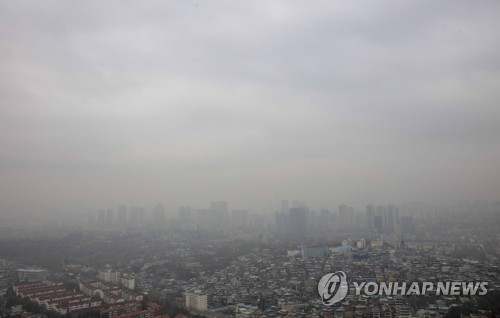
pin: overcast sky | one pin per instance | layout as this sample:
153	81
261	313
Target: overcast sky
185	102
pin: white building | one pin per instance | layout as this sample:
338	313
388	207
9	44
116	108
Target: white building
196	300
128	281
108	275
361	243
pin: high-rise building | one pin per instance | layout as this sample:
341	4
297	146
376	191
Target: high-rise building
298	223
382	212
343	216
392	218
281	220
370	214
128	281
325	220
122	216
378	223
361	243
196	300
108	275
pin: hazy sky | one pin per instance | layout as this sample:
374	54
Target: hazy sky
184	102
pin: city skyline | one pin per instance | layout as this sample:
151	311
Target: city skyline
249	159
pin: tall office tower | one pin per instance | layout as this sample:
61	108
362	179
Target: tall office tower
392	216
377	223
298	223
109	218
101	217
359	220
343	216
350	217
313	222
382	212
370	214
158	215
281	220
285	205
122	216
325	221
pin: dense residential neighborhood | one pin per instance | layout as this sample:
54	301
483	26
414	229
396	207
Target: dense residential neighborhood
258	270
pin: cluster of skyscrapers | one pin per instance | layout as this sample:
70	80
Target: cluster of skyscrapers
298	221
294	220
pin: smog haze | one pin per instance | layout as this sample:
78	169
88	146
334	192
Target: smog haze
251	102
